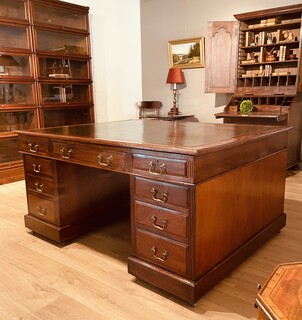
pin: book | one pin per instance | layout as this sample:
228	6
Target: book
59	75
262	54
249	38
283	53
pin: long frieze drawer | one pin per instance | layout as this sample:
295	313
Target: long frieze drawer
37	184
157	166
42	208
34	145
162	192
161	220
101	157
38	166
166	253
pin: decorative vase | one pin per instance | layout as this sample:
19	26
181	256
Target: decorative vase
285	34
290	36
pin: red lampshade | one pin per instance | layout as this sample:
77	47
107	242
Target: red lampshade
175	75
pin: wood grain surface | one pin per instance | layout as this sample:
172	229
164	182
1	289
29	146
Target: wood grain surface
88	279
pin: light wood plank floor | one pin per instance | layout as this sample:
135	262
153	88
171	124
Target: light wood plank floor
88	279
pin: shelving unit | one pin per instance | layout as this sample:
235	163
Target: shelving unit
269	72
268	53
62	47
18	100
45	72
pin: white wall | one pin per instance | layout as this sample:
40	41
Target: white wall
164	20
129	64
116	57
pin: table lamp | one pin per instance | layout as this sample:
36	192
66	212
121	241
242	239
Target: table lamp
175	76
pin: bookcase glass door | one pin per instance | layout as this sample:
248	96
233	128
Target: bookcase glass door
12	93
13	9
17	39
64	43
9	148
15	65
17	120
62	117
65	93
61	18
76	69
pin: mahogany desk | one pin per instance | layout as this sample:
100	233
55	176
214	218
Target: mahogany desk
202	197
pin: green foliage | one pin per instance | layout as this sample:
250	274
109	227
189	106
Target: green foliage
246	106
194	50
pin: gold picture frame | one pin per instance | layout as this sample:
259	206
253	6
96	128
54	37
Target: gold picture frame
186	53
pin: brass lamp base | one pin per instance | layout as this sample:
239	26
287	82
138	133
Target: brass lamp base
173	111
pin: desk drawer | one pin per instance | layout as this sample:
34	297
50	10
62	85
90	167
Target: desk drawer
34	145
161	192
100	157
168	254
42	208
37	184
157	166
161	220
38	166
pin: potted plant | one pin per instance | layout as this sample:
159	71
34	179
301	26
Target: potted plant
246	107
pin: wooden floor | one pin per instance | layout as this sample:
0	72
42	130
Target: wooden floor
88	279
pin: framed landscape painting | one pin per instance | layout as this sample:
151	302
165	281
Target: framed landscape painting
186	53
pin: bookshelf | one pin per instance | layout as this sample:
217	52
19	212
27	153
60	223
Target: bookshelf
269	72
45	72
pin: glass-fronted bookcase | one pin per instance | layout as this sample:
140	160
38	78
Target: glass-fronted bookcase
45	72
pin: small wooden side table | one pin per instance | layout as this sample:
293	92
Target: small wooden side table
281	296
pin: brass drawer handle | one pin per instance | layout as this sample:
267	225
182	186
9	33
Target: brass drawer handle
164	223
154	194
42	211
164	254
33	147
162	168
39	186
37	168
104	163
66	154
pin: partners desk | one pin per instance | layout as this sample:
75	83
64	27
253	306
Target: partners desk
202	197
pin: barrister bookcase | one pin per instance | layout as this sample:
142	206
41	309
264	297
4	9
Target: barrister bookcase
45	72
269	72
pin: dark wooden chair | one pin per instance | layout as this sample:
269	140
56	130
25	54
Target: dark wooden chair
149	108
